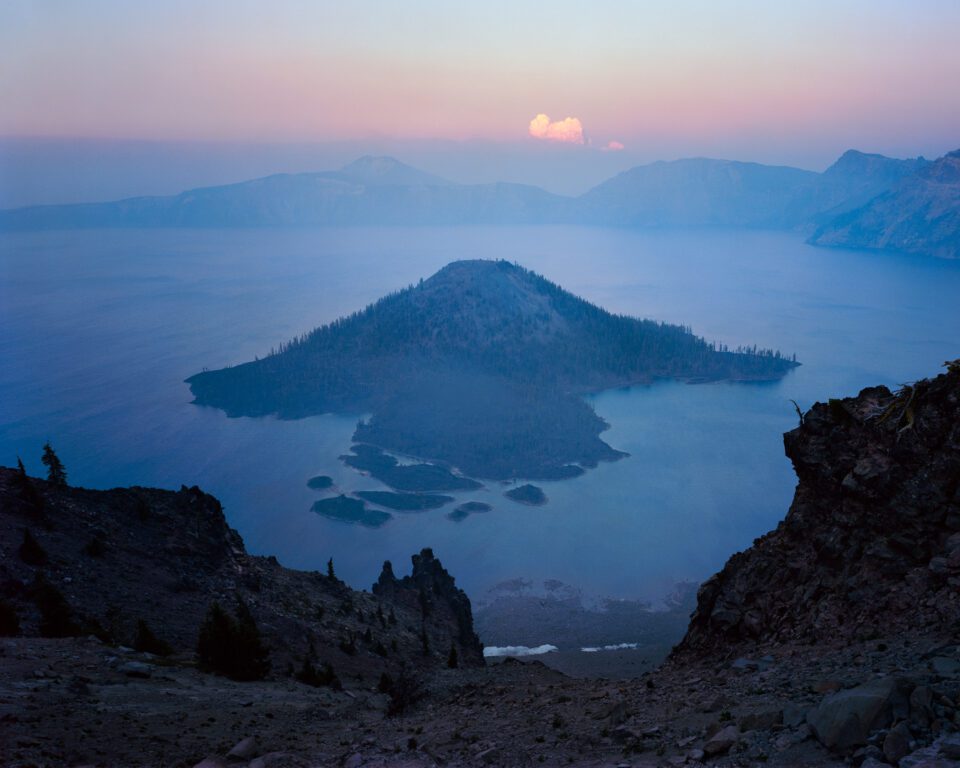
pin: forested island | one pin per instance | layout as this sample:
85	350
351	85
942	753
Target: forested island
481	368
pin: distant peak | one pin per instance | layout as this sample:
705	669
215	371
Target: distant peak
382	170
378	164
854	159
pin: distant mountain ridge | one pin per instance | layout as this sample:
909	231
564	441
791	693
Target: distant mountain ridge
919	214
699	192
862	200
368	191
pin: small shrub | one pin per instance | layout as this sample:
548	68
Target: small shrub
30	550
318	678
404	693
56	617
348	646
91	626
452	660
28	493
147	642
231	646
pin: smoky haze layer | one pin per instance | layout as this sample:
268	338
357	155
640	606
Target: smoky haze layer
481	367
862	200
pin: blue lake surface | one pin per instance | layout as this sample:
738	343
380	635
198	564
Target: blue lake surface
98	330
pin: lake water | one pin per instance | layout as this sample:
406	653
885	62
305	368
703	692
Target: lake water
99	329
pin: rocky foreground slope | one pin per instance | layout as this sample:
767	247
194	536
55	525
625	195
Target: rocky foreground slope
832	641
872	540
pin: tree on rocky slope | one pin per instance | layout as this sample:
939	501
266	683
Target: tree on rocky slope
231	645
56	473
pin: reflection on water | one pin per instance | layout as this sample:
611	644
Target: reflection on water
99	329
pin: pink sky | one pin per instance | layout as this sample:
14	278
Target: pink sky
692	78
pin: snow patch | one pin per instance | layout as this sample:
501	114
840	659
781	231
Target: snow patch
518	650
617	647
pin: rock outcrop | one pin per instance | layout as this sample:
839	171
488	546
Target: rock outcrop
128	556
434	593
871	544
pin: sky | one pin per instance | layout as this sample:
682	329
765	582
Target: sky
790	83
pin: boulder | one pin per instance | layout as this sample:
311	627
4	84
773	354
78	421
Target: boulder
761	720
896	744
793	715
279	760
869	752
722	741
244	750
949	746
136	669
845	719
623	734
921	706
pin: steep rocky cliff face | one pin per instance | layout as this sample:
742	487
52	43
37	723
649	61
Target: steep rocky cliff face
871	544
128	555
433	592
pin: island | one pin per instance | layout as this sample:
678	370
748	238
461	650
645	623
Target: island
479	371
320	482
528	494
347	510
463	511
404	502
415	478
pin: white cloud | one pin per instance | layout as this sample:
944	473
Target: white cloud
568	130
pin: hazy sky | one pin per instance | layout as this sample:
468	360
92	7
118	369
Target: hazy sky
773	81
